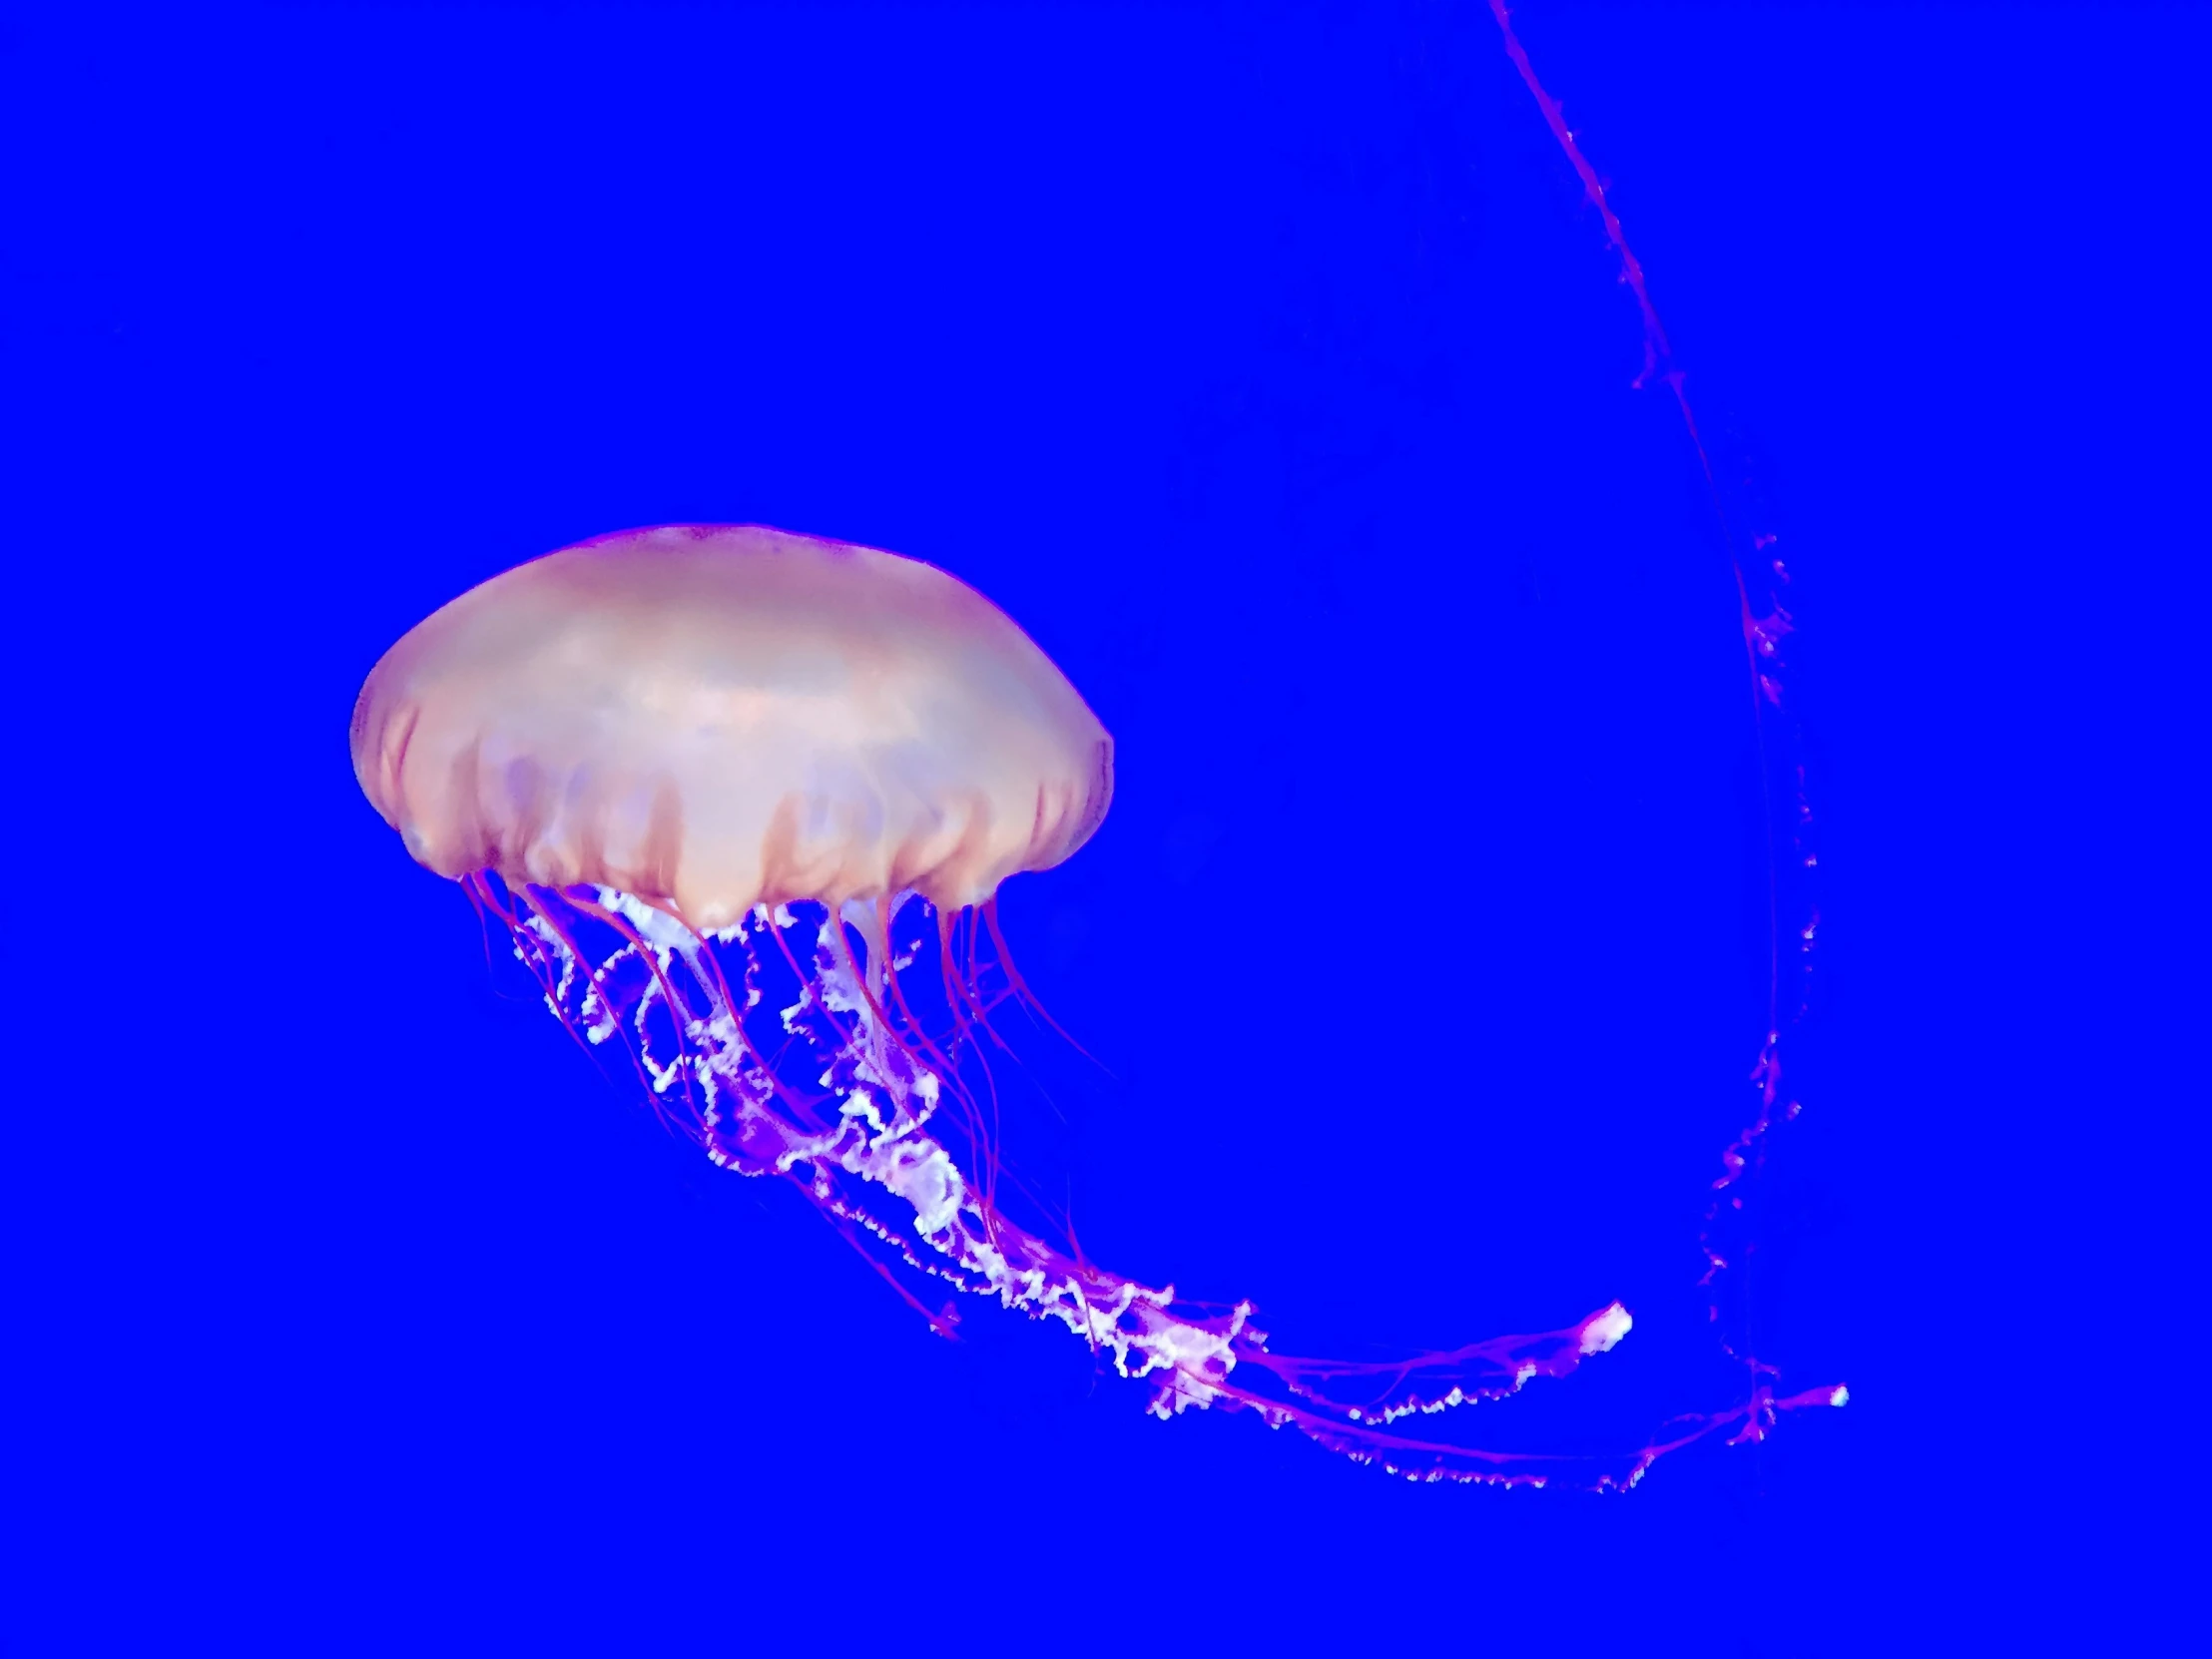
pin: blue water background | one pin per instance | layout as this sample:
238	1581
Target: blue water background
1266	364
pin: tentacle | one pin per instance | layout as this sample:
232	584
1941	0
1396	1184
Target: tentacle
863	1143
544	914
988	910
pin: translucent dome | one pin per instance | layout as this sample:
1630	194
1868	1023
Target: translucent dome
711	717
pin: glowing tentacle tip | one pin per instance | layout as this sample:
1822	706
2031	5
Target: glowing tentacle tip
1839	1395
1605	1327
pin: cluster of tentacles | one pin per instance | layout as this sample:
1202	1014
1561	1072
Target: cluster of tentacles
789	1046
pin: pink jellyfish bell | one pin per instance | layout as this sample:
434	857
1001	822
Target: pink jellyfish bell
712	719
700	773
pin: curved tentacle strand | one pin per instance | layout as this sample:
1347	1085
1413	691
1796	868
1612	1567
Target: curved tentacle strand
849	1115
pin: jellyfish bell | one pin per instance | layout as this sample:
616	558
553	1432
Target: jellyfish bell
713	718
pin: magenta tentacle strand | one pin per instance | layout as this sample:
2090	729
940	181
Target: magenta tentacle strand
1793	912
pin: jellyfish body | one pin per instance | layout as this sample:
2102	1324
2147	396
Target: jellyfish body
717	717
709	778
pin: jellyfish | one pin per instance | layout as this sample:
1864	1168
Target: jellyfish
743	802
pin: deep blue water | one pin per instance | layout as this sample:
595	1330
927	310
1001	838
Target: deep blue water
1268	365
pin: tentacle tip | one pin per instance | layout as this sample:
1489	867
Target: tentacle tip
1604	1328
